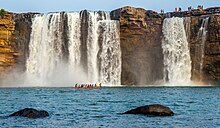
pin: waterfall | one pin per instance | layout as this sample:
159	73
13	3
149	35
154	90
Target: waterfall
110	53
45	48
74	39
92	45
200	47
53	32
177	63
187	24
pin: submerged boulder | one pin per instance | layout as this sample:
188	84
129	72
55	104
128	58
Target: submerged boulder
152	110
31	113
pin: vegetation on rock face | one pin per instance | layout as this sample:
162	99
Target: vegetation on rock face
3	13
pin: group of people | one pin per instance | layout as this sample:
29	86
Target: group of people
200	7
178	9
88	85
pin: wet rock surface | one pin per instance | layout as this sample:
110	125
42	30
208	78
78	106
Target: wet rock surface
152	110
31	113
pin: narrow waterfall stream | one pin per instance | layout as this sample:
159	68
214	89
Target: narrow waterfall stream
177	62
200	47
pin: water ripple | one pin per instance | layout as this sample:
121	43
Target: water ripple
73	108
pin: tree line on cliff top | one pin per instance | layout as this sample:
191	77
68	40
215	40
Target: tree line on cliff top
2	13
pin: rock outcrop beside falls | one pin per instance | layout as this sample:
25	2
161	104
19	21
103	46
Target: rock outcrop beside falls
22	37
7	51
140	36
212	51
15	32
210	70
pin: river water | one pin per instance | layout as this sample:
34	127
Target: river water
194	107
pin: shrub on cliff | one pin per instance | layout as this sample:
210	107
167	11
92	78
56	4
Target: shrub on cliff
2	13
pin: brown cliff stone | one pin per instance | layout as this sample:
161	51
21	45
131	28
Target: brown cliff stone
210	67
212	51
6	50
14	37
21	36
140	36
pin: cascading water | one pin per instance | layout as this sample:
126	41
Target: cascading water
45	48
187	24
74	39
92	45
47	54
109	73
110	53
199	48
177	62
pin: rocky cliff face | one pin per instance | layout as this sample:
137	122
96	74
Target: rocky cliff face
140	36
209	72
212	51
14	39
22	37
7	52
211	63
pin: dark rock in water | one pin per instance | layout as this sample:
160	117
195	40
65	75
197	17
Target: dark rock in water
31	113
152	110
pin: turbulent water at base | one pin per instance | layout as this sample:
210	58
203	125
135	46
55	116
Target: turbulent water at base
56	49
200	47
177	62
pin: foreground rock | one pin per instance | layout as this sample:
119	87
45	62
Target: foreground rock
152	110
31	113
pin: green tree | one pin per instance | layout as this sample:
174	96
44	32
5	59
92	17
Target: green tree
2	13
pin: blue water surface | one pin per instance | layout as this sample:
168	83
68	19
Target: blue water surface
194	107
